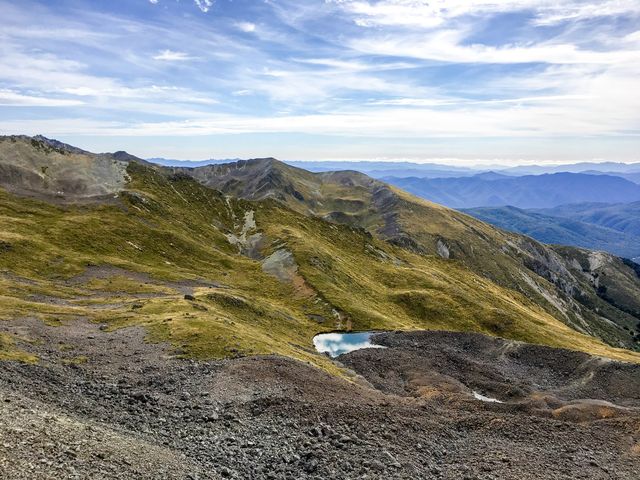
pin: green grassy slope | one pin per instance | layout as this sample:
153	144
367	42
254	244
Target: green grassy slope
512	261
169	231
266	275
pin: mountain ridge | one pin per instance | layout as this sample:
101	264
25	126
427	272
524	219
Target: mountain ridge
311	252
530	191
382	210
624	217
60	172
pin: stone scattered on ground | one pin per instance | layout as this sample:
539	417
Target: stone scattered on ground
131	410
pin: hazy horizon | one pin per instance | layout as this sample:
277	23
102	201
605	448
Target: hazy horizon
453	162
478	163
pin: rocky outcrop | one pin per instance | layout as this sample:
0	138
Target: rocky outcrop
47	168
281	265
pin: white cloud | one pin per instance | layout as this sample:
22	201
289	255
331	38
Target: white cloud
450	46
379	80
246	27
46	72
16	99
354	65
432	13
204	5
430	102
301	86
633	38
613	113
47	80
575	11
172	56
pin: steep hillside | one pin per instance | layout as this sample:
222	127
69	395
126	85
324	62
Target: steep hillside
426	229
219	276
531	191
560	231
55	171
614	283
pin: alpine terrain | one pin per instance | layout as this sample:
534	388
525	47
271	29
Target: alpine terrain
159	322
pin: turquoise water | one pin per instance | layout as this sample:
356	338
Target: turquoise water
336	344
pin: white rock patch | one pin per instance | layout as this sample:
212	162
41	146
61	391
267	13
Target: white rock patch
482	398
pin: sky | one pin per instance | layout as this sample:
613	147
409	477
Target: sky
456	81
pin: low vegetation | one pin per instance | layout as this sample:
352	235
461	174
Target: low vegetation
160	258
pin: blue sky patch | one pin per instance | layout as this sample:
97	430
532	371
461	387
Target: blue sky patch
464	81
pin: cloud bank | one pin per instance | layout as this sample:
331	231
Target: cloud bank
397	71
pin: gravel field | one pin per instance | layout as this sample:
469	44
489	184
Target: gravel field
105	404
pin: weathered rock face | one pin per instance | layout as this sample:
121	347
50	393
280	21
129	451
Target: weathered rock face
47	168
246	238
281	265
548	264
442	249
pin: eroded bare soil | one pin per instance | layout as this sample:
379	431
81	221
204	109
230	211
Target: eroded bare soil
104	404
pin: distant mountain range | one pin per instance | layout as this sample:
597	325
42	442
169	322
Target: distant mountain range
169	162
581	167
375	169
530	191
621	217
634	177
404	169
611	228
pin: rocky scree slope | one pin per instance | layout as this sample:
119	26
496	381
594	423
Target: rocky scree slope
55	171
128	411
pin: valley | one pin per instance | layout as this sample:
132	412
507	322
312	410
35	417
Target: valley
319	240
568	229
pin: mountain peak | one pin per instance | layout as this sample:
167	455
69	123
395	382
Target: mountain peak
58	145
43	143
258	163
123	156
264	160
43	167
